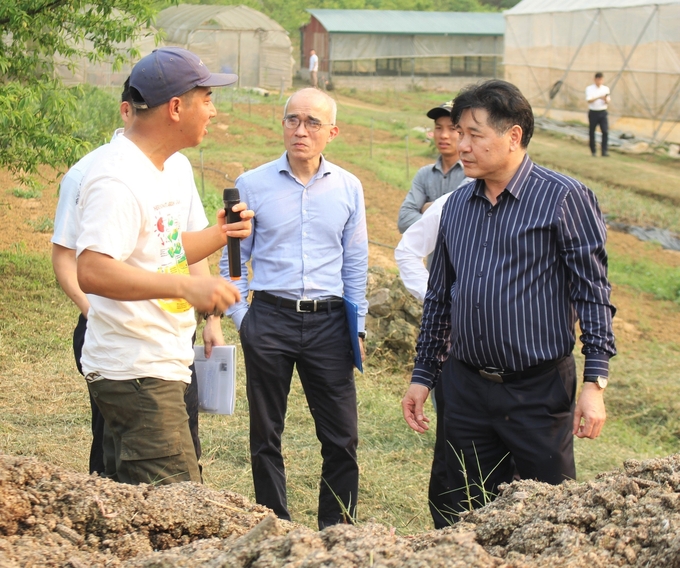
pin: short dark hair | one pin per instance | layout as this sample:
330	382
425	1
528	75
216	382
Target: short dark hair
504	103
126	96
599	75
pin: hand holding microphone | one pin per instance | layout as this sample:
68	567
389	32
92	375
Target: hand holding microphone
231	197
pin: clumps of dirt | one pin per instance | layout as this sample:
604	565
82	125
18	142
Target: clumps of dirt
52	517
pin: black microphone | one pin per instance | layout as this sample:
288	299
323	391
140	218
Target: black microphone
231	198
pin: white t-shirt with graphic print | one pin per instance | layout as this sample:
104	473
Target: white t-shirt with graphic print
134	213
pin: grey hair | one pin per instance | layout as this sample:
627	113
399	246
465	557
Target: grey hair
330	100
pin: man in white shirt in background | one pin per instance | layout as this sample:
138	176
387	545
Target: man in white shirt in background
313	68
417	244
433	181
598	99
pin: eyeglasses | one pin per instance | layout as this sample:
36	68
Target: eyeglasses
311	124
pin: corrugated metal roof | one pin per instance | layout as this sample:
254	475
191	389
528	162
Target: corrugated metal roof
188	17
542	6
407	22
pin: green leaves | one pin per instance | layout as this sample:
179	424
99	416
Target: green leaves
38	117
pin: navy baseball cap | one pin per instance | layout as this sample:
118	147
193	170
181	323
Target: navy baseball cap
442	110
170	72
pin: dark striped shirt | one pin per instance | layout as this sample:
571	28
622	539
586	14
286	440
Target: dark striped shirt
508	282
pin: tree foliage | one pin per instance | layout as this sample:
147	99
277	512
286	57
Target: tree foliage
39	118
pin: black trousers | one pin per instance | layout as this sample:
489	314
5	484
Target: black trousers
495	431
98	425
598	118
439	491
274	341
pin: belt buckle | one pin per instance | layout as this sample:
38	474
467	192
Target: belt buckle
492	374
300	310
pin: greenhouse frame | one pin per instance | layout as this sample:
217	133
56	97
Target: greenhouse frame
553	48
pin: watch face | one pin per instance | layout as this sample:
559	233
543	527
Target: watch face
602	382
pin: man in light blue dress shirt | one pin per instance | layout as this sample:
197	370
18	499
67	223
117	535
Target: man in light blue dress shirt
308	249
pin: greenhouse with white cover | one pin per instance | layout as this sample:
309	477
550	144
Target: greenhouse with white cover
235	39
554	47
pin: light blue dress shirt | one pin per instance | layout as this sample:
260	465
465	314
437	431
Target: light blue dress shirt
308	241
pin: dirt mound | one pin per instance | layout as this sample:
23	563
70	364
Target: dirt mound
52	517
394	315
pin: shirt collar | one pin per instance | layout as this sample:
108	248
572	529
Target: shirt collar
439	165
283	166
517	182
515	185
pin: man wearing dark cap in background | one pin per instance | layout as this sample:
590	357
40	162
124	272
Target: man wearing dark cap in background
133	256
445	175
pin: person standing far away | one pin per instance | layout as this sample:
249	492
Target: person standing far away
308	250
313	68
598	98
433	181
133	257
520	255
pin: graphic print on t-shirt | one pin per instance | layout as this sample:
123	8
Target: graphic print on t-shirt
173	259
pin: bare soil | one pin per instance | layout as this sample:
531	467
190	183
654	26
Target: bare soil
53	517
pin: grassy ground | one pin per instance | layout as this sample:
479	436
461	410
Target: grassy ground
43	403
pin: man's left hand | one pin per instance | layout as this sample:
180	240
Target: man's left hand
590	410
212	334
362	348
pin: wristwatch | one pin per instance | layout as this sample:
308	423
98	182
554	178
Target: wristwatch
362	334
599	381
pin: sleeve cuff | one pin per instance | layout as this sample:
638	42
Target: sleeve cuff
237	317
597	364
424	375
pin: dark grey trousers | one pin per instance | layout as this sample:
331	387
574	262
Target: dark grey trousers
496	431
275	341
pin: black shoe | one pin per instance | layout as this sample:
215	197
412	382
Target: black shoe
594	155
605	155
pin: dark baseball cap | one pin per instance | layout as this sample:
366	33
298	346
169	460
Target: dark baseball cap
170	72
442	110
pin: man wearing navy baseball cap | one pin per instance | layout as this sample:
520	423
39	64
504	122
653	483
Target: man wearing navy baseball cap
134	253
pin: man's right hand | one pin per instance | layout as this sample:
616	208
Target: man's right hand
210	294
412	406
426	206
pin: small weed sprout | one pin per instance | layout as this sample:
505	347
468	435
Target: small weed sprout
27	193
348	517
42	225
471	501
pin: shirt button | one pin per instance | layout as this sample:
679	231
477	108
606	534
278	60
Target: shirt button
480	273
484	243
477	305
489	214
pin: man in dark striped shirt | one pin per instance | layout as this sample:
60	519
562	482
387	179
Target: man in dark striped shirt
519	257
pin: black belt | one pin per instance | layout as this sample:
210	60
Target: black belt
501	376
301	306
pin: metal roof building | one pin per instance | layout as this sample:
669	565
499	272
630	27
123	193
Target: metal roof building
404	43
235	38
554	47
